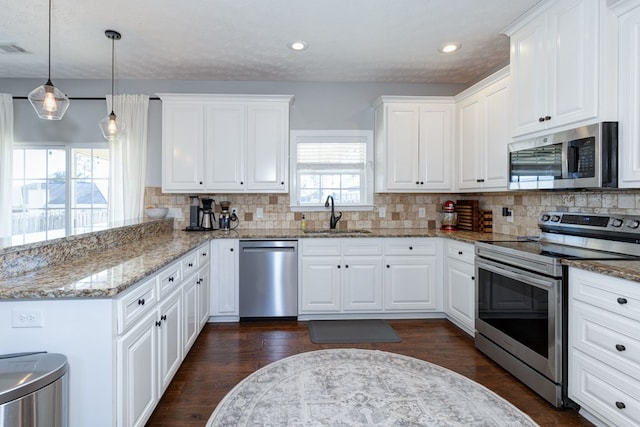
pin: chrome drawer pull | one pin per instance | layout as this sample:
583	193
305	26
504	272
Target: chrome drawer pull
620	347
620	405
622	300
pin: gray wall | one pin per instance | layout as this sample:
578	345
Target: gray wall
316	106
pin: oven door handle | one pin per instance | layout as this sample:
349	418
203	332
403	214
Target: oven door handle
508	271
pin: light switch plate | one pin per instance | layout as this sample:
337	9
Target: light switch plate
422	212
382	212
259	213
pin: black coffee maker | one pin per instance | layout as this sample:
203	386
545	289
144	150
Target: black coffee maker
207	216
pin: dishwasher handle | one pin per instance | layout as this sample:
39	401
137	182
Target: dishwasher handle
252	249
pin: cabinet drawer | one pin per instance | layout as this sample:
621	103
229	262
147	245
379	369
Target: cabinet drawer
410	246
366	246
189	264
461	251
618	296
605	336
321	247
606	392
169	279
135	303
203	255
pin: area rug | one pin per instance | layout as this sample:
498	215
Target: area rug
351	331
352	387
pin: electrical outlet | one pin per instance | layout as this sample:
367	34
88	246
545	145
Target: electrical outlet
259	213
26	319
382	212
422	212
510	216
234	211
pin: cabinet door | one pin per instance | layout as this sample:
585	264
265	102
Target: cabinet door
169	323
573	30
320	290
496	135
435	147
182	147
629	110
470	143
529	76
191	321
224	273
410	283
137	372
459	295
226	139
402	141
362	283
267	147
204	289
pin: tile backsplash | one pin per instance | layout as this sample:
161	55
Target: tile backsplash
402	210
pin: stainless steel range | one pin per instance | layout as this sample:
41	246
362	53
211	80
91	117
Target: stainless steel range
521	293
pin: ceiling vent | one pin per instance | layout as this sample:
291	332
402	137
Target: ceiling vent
11	48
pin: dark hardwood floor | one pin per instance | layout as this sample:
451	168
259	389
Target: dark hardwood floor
225	353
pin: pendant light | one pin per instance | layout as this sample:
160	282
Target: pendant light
111	126
48	101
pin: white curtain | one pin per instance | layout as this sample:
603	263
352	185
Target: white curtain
6	153
128	157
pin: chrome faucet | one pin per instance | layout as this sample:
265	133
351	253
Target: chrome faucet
334	219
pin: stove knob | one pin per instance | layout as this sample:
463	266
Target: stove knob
544	218
617	222
555	218
634	223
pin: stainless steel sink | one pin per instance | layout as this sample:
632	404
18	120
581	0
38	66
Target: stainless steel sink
336	231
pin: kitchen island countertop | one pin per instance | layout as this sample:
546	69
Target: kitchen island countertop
104	274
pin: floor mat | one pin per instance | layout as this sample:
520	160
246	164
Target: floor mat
351	331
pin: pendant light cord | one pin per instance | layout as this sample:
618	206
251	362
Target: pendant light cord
49	40
113	48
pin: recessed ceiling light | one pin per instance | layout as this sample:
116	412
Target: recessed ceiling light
298	45
450	47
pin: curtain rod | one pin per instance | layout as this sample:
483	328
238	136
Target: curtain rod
154	98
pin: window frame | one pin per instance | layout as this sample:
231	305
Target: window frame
332	136
68	148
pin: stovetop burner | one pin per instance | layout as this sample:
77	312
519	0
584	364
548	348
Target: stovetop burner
569	236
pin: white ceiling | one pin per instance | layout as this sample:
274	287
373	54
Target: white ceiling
246	40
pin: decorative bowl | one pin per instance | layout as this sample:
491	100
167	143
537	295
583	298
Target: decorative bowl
157	212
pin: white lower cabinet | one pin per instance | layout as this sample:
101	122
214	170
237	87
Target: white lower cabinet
137	373
340	275
604	347
369	275
224	298
459	285
154	336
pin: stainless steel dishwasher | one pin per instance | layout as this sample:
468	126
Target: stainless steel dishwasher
268	279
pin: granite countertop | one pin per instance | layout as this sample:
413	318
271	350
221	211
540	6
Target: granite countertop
104	274
628	270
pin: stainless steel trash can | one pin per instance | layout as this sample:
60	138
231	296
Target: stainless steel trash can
34	390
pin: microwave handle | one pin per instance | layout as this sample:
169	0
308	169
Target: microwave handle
573	154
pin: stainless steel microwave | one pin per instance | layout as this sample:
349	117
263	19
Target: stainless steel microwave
581	158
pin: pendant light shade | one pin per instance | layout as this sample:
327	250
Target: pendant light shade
111	126
48	101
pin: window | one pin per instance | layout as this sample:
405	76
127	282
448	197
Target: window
58	190
332	163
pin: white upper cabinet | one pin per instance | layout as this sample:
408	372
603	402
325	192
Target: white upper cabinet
230	143
563	65
413	143
483	117
629	93
182	146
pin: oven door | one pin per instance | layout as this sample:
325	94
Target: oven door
520	311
